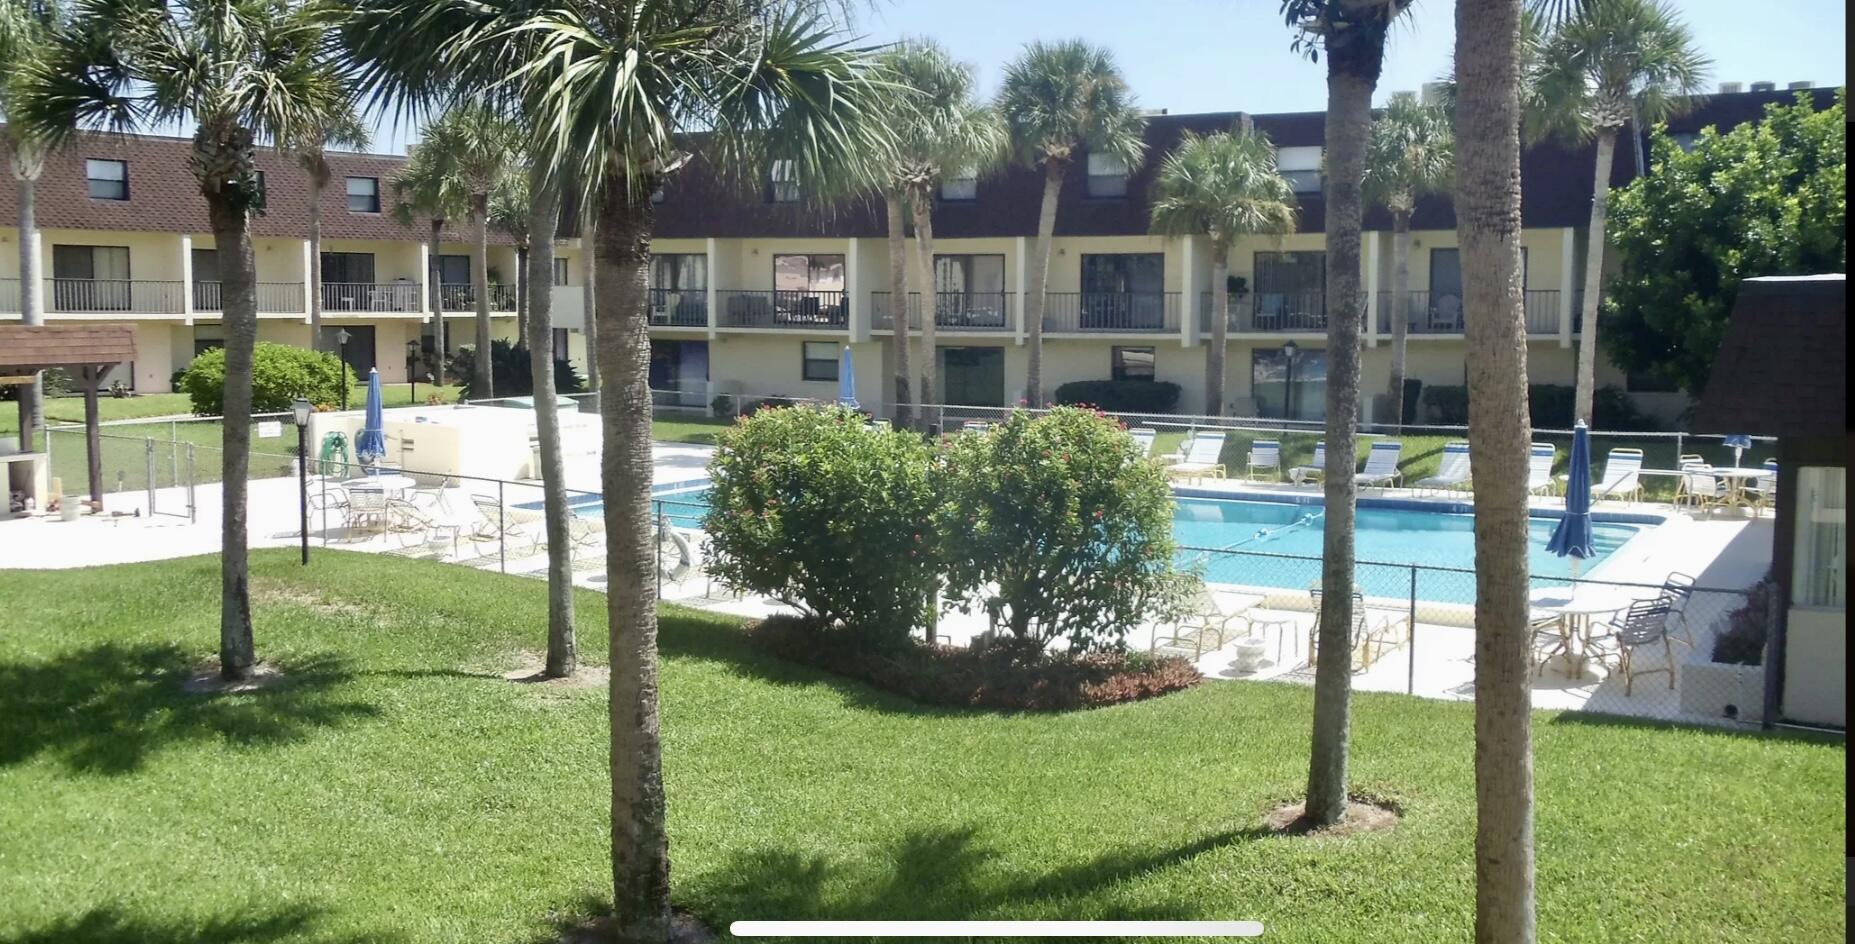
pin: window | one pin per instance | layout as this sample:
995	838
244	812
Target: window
108	180
808	273
561	345
263	191
363	194
562	271
782	182
1290	290
1123	291
820	360
1820	570
91	278
961	185
1131	363
1107	176
1301	166
680	271
969	275
206	337
1289	388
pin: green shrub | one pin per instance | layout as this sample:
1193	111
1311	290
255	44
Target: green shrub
280	373
1549	405
1742	642
1120	396
810	506
1064	523
1446	405
511	371
53	381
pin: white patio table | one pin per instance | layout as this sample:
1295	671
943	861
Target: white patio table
1736	478
1576	605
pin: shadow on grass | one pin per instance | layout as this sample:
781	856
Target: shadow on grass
104	709
926	875
111	925
1600	719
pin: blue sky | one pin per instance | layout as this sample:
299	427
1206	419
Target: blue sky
1228	55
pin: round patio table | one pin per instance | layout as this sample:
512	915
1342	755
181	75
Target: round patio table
1575	606
395	485
1736	478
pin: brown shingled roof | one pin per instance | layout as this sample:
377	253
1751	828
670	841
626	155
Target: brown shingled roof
26	348
1783	368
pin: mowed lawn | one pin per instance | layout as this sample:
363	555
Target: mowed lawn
396	787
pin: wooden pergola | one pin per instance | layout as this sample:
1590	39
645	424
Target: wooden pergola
83	351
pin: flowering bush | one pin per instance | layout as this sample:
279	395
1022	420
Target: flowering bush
812	507
1063	527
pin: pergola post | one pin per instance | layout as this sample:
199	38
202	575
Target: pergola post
93	435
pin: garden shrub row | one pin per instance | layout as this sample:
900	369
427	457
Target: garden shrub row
1120	396
1551	406
280	374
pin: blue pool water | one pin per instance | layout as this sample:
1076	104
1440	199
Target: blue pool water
684	503
1384	535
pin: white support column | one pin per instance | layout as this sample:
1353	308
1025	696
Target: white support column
186	278
856	296
713	251
425	274
1371	287
1021	246
1568	259
309	282
1188	291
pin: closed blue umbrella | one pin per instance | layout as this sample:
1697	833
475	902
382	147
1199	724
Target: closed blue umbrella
1572	538
847	382
370	442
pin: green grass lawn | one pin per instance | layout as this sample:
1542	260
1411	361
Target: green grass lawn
396	788
686	429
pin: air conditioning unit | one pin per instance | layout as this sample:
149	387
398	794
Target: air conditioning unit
1731	88
1794	86
1764	86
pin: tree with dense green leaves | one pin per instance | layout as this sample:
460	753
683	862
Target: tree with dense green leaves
25	31
1611	63
243	71
1766	198
1223	186
1060	102
1412	153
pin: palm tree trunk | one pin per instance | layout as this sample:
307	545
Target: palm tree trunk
1349	118
238	295
899	341
1488	228
483	385
588	296
924	266
1035	294
316	183
562	650
436	290
1594	274
640	844
28	163
523	279
1215	353
1400	312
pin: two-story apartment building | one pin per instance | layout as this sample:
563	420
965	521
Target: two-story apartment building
756	293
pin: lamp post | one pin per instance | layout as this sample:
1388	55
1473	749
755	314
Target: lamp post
1289	351
341	341
412	367
300	411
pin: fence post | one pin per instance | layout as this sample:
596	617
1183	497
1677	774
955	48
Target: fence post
502	532
1679	438
148	464
657	569
193	507
173	438
322	484
1410	678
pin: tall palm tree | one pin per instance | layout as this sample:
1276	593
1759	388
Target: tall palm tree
511	213
589	297
479	144
1412	153
25	29
613	100
343	129
939	127
1610	61
426	187
243	70
1224	186
1352	34
540	192
1487	125
1060	101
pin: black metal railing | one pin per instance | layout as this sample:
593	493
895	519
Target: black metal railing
784	309
953	311
272	296
1114	312
680	306
1441	313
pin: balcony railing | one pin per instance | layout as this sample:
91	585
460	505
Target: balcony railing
953	311
272	297
1430	313
680	306
1110	312
370	296
793	310
128	296
464	297
1270	313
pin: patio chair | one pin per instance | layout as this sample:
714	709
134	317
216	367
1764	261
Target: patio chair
1265	456
1143	440
1539	468
1206	627
1381	465
1453	472
328	500
366	511
1643	625
1547	637
1698	487
503	524
1369	640
416	530
1316	468
1679	588
433	495
1203	458
1621	478
1764	492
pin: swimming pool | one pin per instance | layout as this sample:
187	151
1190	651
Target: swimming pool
1392	533
684	503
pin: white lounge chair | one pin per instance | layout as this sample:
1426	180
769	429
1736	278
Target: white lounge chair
1698	486
1621	478
1205	627
1453	471
1203	459
1143	440
1265	456
1312	472
1539	468
1381	465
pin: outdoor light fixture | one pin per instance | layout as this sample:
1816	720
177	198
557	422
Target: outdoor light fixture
412	361
1290	349
300	411
341	341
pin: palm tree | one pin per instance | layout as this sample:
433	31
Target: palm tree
1224	186
540	192
1610	63
1059	101
510	212
1352	34
1412	153
25	29
938	127
343	129
1487	124
479	144
243	70
589	227
426	187
613	100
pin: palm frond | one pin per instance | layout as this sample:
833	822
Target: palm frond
1059	99
1609	60
1411	153
1225	186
